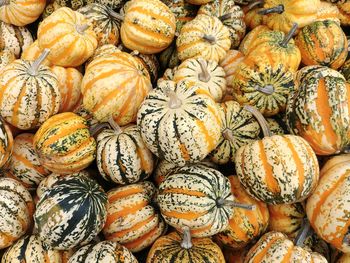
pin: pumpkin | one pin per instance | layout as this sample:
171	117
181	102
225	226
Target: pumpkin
91	121
282	14
29	93
33	52
318	109
252	18
230	63
207	74
121	82
332	162
168	75
251	37
286	218
105	251
16	211
262	167
122	156
6	143
245	225
64	145
198	197
276	247
328	11
230	15
68	36
169	58
132	221
104	23
329	203
205	36
21	12
15	39
69	83
175	248
31	249
148	26
102	51
323	43
179	122
6	57
258	83
71	212
25	165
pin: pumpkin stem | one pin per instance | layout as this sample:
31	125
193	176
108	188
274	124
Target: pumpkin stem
94	129
114	125
81	28
303	233
222	202
115	15
204	75
254	4
279	9
4	2
186	240
225	16
33	70
174	101
261	120
228	135
134	53
289	36
267	90
211	39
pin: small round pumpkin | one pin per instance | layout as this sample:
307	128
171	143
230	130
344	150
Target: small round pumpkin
33	52
328	11
71	212
132	221
102	51
251	37
230	63
64	144
335	160
6	57
68	36
6	143
21	12
323	43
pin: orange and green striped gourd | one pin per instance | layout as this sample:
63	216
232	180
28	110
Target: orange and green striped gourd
6	143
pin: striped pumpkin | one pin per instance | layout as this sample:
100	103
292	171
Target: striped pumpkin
150	62
16	211
102	51
104	23
68	36
323	43
105	251
230	15
25	165
328	11
30	249
194	197
332	162
6	143
64	145
91	121
277	125
318	109
71	212
327	208
121	82
286	218
262	167
251	37
179	122
132	221
69	83
239	128
245	225
33	52
29	93
21	12
148	26
252	18
173	248
230	63
207	74
122	156
205	36
276	247
16	39
6	57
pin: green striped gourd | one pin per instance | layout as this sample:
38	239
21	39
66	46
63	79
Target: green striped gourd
71	212
173	133
6	143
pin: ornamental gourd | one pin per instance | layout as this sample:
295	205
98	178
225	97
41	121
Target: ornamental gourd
245	225
230	63
197	197
6	57
323	43
205	36
230	15
179	122
251	37
33	52
207	74
21	12
68	36
104	251
318	109
328	11
6	143
148	26
64	144
333	161
262	167
252	18
102	51
115	85
132	220
16	211
72	212
122	156
29	93
177	248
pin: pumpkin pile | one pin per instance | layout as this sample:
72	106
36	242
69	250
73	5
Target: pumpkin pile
174	131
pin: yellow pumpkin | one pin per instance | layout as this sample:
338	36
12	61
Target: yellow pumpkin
33	52
328	11
230	63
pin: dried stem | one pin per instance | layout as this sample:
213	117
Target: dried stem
225	16
222	202
115	15
279	9
174	101
4	2
254	4
204	75
211	39
303	233
33	70
81	28
186	240
261	120
267	90
97	127
114	125
289	36
228	135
